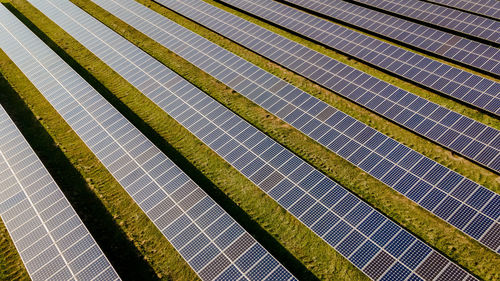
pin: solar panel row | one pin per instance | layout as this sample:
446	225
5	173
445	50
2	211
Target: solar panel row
360	233
51	239
405	170
414	67
489	8
448	128
48	234
212	243
442	17
478	55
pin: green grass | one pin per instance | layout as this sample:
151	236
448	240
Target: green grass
303	246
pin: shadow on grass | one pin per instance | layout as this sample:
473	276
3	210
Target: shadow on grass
267	240
122	253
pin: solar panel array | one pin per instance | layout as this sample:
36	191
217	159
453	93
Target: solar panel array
51	239
442	17
489	8
213	244
478	55
462	85
382	249
382	157
466	136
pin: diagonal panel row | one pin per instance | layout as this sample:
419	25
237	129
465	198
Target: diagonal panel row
489	8
478	55
462	85
464	204
213	244
379	247
459	133
441	17
51	239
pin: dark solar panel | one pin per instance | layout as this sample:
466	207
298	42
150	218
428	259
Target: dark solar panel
200	230
441	17
283	178
489	8
403	169
430	73
478	55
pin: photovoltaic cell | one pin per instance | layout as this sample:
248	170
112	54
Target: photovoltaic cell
51	239
280	183
197	227
489	8
442	17
478	55
409	65
345	80
384	158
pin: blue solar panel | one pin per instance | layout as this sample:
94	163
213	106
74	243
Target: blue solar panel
488	8
397	272
180	209
441	17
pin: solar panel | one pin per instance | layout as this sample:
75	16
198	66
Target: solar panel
324	206
459	49
51	239
406	64
488	8
459	133
442	17
212	242
379	155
